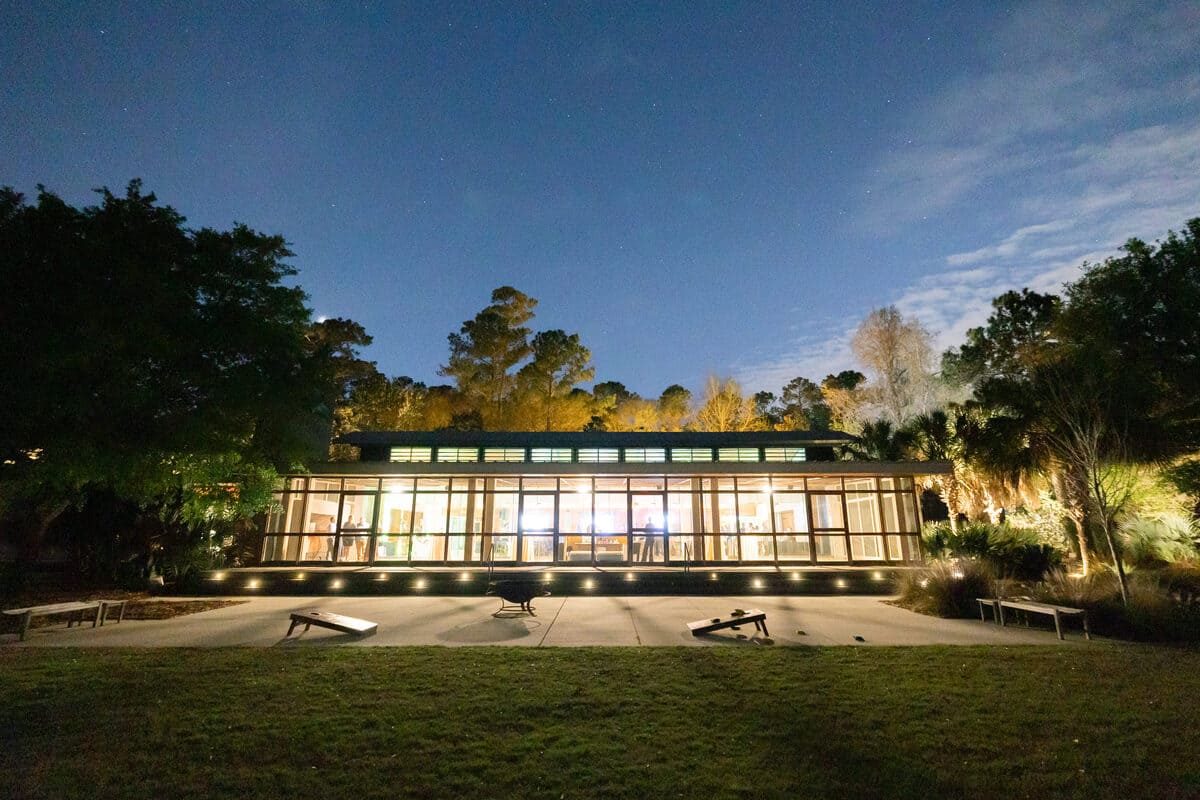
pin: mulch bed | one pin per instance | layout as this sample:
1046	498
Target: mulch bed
141	604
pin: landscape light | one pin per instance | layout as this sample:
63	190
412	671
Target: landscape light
588	584
840	583
877	576
335	584
712	576
420	584
466	576
219	576
299	576
629	576
757	583
796	576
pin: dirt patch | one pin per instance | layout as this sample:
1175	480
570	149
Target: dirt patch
166	609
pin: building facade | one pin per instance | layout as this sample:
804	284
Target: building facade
598	499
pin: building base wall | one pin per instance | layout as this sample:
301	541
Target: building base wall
351	581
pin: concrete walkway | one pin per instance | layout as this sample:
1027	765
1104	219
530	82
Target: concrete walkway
560	622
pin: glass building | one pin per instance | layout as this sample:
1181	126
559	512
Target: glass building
598	499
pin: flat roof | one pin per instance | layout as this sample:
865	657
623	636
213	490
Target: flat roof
706	468
593	438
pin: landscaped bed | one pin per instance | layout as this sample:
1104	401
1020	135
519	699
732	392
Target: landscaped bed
1105	721
140	605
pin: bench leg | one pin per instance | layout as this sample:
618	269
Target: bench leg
1087	633
96	619
763	625
1000	612
981	619
292	627
1058	625
26	619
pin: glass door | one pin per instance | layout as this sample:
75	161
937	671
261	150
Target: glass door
538	513
648	518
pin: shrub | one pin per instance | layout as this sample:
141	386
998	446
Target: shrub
1011	552
1154	541
1154	612
946	588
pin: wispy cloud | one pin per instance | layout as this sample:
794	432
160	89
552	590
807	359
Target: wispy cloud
1055	122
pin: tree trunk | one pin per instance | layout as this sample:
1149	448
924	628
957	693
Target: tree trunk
1122	581
31	533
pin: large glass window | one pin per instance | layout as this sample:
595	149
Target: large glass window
862	512
645	455
281	548
827	511
575	549
428	548
754	512
647	512
784	454
391	548
737	454
612	513
866	548
353	549
503	516
598	455
691	454
504	454
544	455
358	512
537	549
457	455
538	513
429	513
830	548
411	454
322	513
683	513
575	512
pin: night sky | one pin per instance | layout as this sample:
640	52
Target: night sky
694	188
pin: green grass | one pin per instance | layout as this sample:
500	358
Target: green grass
1097	721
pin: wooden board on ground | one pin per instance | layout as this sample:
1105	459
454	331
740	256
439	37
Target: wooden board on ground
335	622
753	615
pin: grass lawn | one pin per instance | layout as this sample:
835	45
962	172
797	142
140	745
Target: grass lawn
1095	721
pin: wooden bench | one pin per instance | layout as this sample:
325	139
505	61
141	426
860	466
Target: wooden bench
755	615
1032	607
75	610
335	622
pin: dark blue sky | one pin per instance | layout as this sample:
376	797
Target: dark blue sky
693	188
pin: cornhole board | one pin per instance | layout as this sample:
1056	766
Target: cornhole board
752	615
335	622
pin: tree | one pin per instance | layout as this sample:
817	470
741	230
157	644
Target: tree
674	407
878	441
169	367
559	364
899	354
843	395
487	348
768	413
803	406
725	408
1019	334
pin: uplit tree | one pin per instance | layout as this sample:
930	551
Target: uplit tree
486	351
560	363
724	408
898	354
674	408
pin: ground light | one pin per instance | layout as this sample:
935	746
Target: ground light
712	576
252	583
299	576
220	576
420	584
840	583
335	584
629	576
877	576
466	576
547	577
796	576
383	576
589	583
758	584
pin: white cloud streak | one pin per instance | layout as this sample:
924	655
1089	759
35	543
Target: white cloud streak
1062	135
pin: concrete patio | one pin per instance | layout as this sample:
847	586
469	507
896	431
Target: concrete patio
560	622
